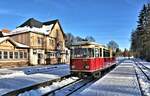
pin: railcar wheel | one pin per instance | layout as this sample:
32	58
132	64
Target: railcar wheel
97	74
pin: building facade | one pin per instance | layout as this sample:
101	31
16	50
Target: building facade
12	53
46	41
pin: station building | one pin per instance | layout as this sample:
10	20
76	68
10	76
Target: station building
46	41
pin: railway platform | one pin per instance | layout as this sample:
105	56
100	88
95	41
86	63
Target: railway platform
122	81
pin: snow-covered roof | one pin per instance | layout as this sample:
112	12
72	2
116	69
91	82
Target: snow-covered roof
14	42
3	39
5	34
45	29
21	45
33	25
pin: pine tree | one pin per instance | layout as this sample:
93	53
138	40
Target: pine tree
140	42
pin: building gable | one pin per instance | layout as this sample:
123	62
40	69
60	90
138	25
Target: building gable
4	42
57	31
7	44
59	36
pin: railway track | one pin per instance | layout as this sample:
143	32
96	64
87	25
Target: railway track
56	87
143	77
144	69
70	88
36	86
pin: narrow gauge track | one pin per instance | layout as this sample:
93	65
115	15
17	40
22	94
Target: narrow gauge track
145	67
81	82
36	86
142	68
69	88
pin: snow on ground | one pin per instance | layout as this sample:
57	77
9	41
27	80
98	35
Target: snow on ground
12	79
119	82
145	84
6	72
43	90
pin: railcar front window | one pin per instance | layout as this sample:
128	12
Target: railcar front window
82	52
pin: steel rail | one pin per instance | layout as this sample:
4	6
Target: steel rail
53	91
35	86
137	64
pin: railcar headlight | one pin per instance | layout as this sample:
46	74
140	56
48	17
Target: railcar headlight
86	66
72	66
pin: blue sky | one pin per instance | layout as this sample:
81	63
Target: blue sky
105	20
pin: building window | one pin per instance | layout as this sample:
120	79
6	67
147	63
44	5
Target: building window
21	55
52	54
0	54
51	42
40	56
5	55
16	55
11	55
34	51
40	40
48	54
25	55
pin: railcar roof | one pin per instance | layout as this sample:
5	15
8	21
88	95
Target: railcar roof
87	43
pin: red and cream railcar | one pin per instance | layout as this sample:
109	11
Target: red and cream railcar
90	58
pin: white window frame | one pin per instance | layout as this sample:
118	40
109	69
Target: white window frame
21	57
1	55
5	54
12	55
15	55
25	55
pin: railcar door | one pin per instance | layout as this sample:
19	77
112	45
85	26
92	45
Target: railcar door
101	60
97	61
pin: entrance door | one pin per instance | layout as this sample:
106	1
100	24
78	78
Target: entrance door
40	57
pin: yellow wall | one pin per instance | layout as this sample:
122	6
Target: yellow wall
22	38
6	45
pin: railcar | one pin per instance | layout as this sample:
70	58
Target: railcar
90	59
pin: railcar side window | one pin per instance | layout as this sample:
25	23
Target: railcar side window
100	51
90	52
96	52
108	53
104	54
